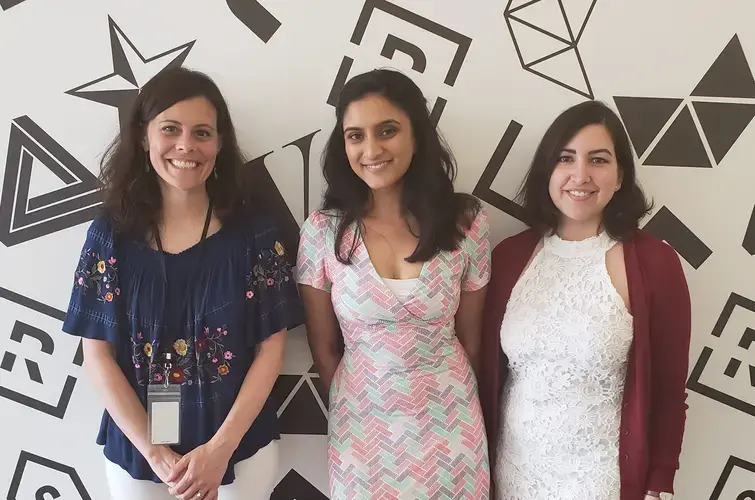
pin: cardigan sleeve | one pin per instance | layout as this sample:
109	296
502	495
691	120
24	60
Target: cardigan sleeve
670	325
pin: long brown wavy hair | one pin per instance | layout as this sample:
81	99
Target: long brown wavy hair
132	197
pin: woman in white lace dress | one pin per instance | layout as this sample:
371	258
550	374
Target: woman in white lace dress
593	316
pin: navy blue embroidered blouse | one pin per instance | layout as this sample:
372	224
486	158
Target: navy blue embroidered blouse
241	291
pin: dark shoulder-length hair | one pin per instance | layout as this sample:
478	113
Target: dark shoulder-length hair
132	197
622	215
427	188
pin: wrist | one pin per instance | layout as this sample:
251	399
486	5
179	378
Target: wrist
154	452
223	443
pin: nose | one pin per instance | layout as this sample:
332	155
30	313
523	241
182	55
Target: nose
581	171
372	147
185	142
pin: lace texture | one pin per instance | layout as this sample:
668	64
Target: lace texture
567	334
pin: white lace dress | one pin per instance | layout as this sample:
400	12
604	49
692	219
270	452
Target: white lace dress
567	335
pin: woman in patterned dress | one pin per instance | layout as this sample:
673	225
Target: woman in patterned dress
395	265
178	265
593	315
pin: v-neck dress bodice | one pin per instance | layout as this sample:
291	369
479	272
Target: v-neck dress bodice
405	419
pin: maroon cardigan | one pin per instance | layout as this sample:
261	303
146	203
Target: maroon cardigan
654	408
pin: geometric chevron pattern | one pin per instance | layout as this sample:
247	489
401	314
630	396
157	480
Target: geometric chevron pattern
405	420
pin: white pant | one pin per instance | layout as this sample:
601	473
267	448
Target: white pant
254	480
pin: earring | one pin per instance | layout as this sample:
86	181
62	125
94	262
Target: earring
146	162
215	173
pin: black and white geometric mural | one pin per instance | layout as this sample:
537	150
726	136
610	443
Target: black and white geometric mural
495	73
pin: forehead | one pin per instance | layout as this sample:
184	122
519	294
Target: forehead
193	111
593	136
371	110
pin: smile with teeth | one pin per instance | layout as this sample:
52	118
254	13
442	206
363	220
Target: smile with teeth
579	194
183	163
377	166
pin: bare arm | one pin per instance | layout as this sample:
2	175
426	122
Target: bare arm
122	403
469	324
257	385
322	332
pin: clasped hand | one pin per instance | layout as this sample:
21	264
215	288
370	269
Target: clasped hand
198	472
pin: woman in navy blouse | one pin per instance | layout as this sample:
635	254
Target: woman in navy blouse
178	279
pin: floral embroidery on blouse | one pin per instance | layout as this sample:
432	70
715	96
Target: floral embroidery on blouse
272	270
200	360
99	273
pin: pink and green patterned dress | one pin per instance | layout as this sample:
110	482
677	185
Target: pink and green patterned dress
405	419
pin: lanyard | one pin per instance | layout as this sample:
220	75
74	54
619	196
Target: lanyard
188	289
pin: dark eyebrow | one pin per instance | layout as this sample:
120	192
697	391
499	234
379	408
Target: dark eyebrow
381	124
179	123
593	152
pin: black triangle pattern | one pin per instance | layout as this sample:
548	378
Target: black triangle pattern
723	123
681	145
644	117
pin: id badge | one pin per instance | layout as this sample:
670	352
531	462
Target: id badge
164	413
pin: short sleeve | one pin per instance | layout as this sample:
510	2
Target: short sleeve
92	309
477	247
314	246
273	302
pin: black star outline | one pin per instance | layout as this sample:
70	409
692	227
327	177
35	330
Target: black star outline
123	98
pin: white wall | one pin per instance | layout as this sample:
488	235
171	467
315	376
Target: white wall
277	92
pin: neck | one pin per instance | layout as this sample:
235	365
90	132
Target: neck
572	230
386	204
183	206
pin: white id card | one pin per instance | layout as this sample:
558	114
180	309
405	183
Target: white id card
164	413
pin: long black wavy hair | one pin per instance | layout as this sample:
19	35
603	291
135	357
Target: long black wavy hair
427	188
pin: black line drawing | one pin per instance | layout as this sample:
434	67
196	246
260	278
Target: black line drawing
265	194
723	123
483	191
395	44
123	98
681	145
748	243
667	226
21	330
735	466
729	75
257	18
644	117
294	487
23	218
745	342
7	4
26	458
523	22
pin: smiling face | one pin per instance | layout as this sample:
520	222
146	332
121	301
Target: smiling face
585	177
379	141
183	144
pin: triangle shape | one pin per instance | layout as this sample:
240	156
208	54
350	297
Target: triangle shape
577	14
23	218
303	415
748	243
322	392
531	44
283	386
729	76
680	146
565	70
644	117
723	123
294	487
514	5
43	180
546	15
